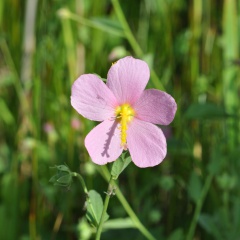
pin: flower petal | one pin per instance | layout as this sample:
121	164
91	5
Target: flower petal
103	142
156	107
127	78
146	143
92	98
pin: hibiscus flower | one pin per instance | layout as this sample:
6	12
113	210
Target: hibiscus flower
127	113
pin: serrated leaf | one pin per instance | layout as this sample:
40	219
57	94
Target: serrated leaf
95	208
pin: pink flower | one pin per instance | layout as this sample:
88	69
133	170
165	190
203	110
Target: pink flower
127	113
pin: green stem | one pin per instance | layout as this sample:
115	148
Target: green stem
105	173
136	48
133	42
80	178
90	23
105	206
199	207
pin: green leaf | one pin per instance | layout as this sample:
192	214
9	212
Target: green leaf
95	208
54	178
63	168
126	162
119	165
63	176
66	179
84	229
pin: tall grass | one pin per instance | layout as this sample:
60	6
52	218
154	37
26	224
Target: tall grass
192	48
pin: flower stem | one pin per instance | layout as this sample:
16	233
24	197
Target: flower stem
105	173
80	178
105	206
199	207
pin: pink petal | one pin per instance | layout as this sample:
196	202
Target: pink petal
127	79
103	142
92	98
156	107
146	143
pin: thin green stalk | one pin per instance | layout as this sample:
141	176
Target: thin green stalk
129	35
28	43
105	173
231	72
1	12
80	178
105	206
65	13
133	42
199	207
70	46
8	57
195	48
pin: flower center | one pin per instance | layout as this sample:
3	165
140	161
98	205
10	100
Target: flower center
125	114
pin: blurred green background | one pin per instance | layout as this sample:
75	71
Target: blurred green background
192	48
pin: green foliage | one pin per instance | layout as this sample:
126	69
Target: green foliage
63	178
192	48
95	208
119	165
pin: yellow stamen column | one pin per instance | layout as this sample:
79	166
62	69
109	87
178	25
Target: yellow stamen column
125	114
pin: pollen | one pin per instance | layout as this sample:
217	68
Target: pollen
125	114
